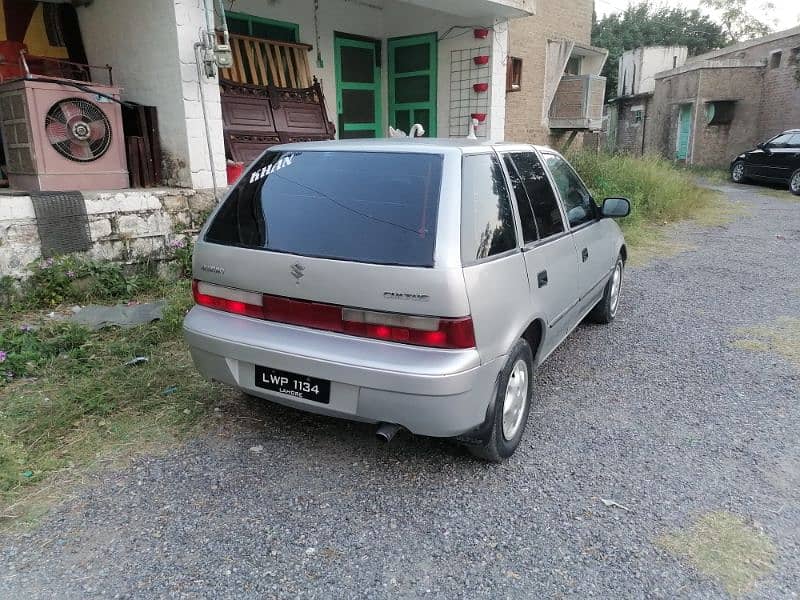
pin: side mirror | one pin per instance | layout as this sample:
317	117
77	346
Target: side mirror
616	208
763	146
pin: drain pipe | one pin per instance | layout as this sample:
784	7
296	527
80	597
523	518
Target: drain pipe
200	74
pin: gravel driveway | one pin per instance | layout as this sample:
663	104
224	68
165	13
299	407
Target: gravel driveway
661	412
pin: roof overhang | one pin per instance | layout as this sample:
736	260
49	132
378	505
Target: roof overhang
477	9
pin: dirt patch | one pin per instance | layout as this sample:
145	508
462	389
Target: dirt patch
781	337
724	547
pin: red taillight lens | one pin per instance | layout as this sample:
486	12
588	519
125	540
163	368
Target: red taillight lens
433	332
229	300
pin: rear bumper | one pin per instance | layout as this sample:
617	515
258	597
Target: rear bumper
440	393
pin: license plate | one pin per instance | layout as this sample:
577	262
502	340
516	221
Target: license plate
299	386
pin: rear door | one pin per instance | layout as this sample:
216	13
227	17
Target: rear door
493	266
548	248
592	241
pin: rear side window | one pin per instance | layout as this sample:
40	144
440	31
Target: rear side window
541	194
526	217
362	206
487	223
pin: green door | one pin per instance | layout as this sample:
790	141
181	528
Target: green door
684	132
358	88
412	82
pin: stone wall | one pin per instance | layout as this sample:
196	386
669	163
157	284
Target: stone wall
554	19
126	226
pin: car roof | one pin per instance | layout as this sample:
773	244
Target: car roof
791	131
426	145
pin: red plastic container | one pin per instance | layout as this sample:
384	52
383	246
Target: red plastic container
235	171
481	33
481	60
479	117
481	87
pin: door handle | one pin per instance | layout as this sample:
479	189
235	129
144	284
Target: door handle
585	254
541	278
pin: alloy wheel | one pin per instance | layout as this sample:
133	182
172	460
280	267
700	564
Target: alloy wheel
515	399
616	287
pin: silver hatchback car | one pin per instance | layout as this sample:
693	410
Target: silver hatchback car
407	283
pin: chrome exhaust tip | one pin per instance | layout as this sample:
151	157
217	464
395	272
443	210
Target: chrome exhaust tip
386	432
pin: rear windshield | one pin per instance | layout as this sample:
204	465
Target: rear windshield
361	206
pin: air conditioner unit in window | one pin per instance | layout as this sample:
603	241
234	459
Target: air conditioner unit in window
57	137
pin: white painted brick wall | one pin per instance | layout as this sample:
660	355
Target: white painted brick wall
125	226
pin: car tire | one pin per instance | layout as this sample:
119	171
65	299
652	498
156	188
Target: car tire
737	172
794	183
606	310
511	407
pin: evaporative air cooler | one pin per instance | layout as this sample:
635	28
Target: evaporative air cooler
58	138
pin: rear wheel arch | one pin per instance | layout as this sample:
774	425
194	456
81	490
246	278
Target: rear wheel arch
534	334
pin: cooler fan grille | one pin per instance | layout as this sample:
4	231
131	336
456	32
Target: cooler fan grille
78	129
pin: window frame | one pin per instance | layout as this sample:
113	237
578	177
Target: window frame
516	225
264	21
570	227
514	74
541	241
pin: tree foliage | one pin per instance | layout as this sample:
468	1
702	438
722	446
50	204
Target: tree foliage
646	25
739	24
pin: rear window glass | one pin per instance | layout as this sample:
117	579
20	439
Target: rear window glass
361	206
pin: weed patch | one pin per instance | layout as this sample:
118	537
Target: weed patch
660	194
781	337
722	546
80	401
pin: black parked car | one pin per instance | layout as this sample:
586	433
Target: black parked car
776	160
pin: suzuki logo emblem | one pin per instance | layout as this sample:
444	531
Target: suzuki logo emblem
298	272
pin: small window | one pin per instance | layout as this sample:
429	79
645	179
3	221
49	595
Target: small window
487	223
637	116
574	65
514	74
576	198
775	59
720	112
794	56
529	233
543	199
258	27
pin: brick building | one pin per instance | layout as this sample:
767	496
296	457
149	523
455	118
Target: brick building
560	90
721	103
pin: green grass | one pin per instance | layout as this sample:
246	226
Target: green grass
78	403
724	547
660	194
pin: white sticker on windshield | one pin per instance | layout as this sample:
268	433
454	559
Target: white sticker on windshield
285	161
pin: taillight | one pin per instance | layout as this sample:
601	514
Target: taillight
230	300
433	332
